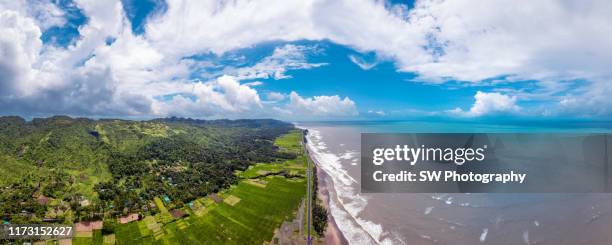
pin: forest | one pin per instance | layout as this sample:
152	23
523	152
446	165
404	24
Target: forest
63	169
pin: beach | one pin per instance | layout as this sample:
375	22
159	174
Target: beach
332	233
344	203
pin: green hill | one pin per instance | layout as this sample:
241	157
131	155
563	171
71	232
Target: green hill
73	169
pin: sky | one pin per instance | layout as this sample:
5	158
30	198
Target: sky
307	59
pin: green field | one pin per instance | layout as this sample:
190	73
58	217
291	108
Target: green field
291	141
254	208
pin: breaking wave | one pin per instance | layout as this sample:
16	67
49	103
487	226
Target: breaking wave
345	201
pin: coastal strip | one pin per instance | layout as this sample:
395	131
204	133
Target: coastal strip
332	235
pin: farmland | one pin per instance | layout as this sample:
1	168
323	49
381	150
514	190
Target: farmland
245	213
161	181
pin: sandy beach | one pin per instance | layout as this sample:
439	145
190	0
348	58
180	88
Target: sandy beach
332	233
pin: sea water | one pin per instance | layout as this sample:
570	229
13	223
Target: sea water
440	218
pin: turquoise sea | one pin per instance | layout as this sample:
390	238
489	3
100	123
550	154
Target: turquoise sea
437	126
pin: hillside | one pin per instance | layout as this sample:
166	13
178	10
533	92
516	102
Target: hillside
64	169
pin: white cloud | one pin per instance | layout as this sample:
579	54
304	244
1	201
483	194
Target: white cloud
127	77
19	50
377	113
321	106
440	40
91	77
489	103
86	78
45	13
593	100
362	63
240	96
223	97
283	59
549	41
253	84
282	111
275	96
190	27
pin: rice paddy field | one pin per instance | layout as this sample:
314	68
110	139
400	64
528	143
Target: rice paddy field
247	213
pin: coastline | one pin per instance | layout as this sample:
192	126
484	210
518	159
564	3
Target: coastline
333	235
336	157
440	218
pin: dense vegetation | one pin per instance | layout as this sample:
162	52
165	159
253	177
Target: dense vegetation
319	214
66	169
248	212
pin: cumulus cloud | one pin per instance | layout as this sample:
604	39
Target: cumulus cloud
592	100
550	41
19	48
48	80
222	97
489	103
190	27
321	106
125	77
45	13
547	40
438	40
275	96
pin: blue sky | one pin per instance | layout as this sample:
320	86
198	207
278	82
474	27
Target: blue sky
379	88
306	60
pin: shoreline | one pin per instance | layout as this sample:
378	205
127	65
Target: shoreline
333	235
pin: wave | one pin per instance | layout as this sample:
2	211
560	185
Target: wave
345	201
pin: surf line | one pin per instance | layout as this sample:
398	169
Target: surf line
448	176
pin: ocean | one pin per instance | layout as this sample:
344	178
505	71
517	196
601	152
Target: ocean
440	218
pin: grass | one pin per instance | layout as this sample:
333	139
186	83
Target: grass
232	200
290	142
83	234
12	169
154	129
293	166
102	134
251	220
108	239
160	205
163	216
199	207
94	237
93	175
257	182
254	218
